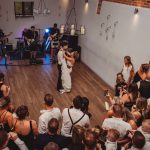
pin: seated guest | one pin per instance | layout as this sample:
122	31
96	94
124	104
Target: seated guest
90	140
51	146
128	117
4	89
52	136
24	127
48	113
111	140
140	74
120	84
4	139
145	129
77	138
128	70
144	85
6	117
139	142
74	116
116	122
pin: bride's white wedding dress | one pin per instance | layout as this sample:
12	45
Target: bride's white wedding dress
66	77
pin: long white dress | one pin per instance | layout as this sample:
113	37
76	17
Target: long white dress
66	77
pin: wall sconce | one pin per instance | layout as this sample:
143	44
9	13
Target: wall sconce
62	29
86	1
136	10
82	30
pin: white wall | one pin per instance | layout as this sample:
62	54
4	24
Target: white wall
132	37
8	22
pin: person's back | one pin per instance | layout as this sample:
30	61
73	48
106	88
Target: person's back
26	129
48	113
116	122
52	136
74	116
6	117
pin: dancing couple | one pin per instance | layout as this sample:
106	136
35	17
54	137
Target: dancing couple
66	60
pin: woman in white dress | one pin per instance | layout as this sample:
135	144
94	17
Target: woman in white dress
67	65
128	70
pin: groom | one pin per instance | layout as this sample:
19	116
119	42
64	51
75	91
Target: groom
63	48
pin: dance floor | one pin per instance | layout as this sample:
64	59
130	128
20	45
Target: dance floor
29	84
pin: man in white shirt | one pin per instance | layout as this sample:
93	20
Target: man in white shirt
145	129
48	113
60	57
74	116
138	142
116	122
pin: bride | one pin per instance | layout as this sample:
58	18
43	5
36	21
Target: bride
67	65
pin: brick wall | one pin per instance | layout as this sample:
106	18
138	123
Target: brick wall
139	3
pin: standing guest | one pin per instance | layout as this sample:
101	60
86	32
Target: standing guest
6	117
128	70
52	136
63	48
140	74
120	84
116	122
25	128
144	85
5	137
48	113
74	116
4	89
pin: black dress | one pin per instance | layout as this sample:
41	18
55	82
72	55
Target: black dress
28	139
136	78
144	88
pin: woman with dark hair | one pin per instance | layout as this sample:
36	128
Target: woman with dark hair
128	70
120	84
77	138
24	127
130	96
140	74
4	89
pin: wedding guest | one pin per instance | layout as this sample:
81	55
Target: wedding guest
25	128
144	85
74	116
120	84
128	70
116	122
51	146
6	117
47	113
4	139
140	74
52	136
4	89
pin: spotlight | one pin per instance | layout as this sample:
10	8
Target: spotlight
136	10
47	30
86	1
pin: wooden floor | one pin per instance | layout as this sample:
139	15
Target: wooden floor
29	84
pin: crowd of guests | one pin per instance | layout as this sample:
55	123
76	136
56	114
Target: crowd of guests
126	125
